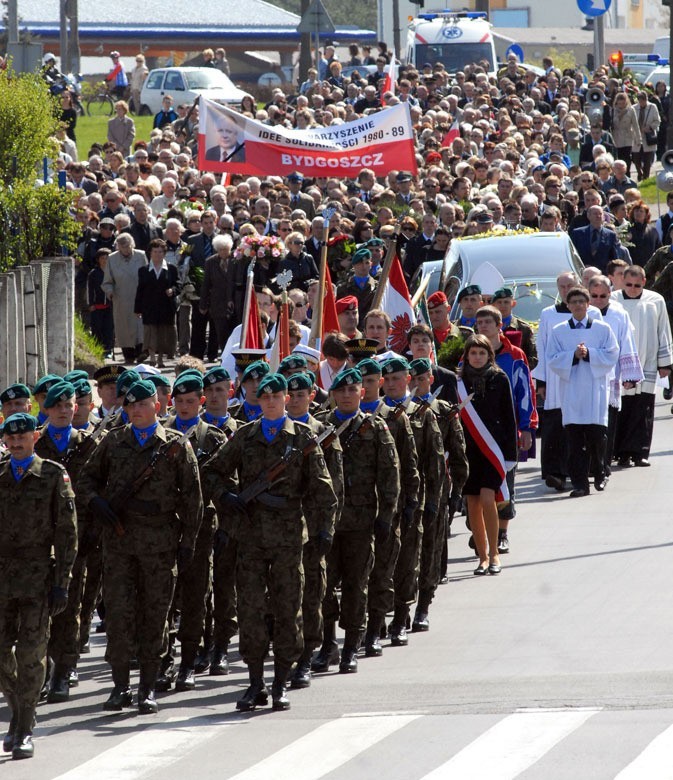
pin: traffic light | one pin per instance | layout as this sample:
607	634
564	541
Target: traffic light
616	60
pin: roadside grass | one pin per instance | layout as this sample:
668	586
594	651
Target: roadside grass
93	129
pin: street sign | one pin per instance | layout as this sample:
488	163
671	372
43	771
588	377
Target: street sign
593	7
516	50
316	20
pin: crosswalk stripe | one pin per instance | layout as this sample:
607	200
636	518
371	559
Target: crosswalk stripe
511	745
654	761
150	750
326	748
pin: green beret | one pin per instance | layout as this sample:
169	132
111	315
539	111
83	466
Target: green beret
159	379
272	383
76	375
215	375
257	370
108	374
310	374
503	292
300	382
362	254
349	376
420	366
369	367
394	365
125	380
189	372
291	362
82	388
14	391
188	383
20	423
61	391
139	391
375	242
45	382
471	289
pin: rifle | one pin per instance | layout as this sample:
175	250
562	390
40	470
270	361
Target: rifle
457	408
273	474
364	425
424	404
169	451
86	446
206	458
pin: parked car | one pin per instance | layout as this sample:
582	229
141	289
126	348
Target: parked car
184	85
528	262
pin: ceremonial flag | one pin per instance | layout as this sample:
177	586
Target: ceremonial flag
454	132
396	303
281	344
251	338
330	319
391	76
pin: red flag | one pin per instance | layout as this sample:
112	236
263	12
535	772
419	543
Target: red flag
396	303
454	132
391	76
253	333
330	320
283	332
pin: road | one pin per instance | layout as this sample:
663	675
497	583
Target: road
561	667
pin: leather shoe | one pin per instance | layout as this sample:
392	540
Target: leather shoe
554	482
120	697
642	462
349	660
624	462
85	648
373	647
23	747
301	677
398	635
59	690
279	700
579	492
256	695
147	704
421	621
165	680
668	394
494	568
481	570
600	483
202	663
219	664
8	740
327	655
185	681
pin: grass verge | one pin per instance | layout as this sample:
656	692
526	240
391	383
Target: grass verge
89	353
93	129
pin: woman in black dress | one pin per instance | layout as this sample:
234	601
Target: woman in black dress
492	404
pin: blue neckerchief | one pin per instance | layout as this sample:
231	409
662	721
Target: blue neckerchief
82	427
216	421
303	418
468	322
392	402
60	436
361	281
425	397
143	435
369	407
252	412
270	428
41	418
184	425
506	321
20	467
125	417
341	417
374	270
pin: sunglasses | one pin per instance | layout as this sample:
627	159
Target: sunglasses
632	284
595	295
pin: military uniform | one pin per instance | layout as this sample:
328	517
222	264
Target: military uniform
139	570
39	543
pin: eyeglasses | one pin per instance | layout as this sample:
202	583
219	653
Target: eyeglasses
595	295
299	305
285	230
633	284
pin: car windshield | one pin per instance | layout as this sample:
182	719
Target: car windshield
207	78
454	56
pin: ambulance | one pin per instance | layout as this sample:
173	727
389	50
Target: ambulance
454	38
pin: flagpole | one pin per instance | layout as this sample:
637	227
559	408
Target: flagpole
420	292
391	247
246	304
315	338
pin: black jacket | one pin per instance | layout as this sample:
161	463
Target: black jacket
156	307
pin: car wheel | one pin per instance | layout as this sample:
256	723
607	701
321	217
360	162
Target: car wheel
144	110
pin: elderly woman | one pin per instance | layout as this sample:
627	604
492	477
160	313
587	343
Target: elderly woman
120	285
625	128
121	129
217	289
298	262
644	236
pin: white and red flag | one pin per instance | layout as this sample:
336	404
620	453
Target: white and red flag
396	303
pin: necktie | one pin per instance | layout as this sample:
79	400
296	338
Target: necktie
208	246
594	241
579	325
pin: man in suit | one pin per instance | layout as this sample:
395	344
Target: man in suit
142	228
595	243
596	136
230	144
299	199
422	345
201	247
404	194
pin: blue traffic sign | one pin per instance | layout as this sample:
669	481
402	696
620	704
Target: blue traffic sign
516	50
593	7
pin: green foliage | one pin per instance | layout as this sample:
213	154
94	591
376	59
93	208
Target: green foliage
342	12
562	59
450	352
89	353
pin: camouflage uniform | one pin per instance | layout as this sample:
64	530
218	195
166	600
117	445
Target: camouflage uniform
270	540
37	521
371	492
386	552
139	568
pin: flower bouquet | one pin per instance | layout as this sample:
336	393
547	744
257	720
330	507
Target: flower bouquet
259	248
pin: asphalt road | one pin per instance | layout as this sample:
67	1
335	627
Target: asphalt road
561	667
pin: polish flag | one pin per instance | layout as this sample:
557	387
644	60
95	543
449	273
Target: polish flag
391	77
454	132
253	333
396	303
330	320
281	344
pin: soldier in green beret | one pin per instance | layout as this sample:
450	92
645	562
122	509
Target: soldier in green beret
249	410
37	516
84	418
270	530
360	283
163	386
15	399
148	528
40	393
371	492
292	364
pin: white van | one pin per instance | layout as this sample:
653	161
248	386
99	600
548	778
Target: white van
454	38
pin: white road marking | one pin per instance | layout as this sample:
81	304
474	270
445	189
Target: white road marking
654	761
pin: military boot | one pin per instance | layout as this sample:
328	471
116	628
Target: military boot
23	737
167	674
44	691
186	681
301	677
73	678
147	704
59	686
8	741
349	654
373	647
398	628
121	695
279	688
421	621
219	664
329	650
257	694
202	661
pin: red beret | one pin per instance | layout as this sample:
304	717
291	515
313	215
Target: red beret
349	302
436	299
433	157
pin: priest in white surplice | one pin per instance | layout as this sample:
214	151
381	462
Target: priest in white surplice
647	311
583	353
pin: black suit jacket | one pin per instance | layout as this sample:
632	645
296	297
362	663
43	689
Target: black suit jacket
199	251
448	382
238	155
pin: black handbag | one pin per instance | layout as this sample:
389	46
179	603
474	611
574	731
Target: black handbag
651	138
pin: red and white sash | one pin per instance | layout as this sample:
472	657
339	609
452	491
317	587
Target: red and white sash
484	440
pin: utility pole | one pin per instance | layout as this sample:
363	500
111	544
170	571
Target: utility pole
12	21
396	27
599	41
484	6
305	48
73	48
63	34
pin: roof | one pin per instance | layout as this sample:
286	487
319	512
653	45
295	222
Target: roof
567	36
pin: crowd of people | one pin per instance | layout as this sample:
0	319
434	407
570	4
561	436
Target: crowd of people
284	503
